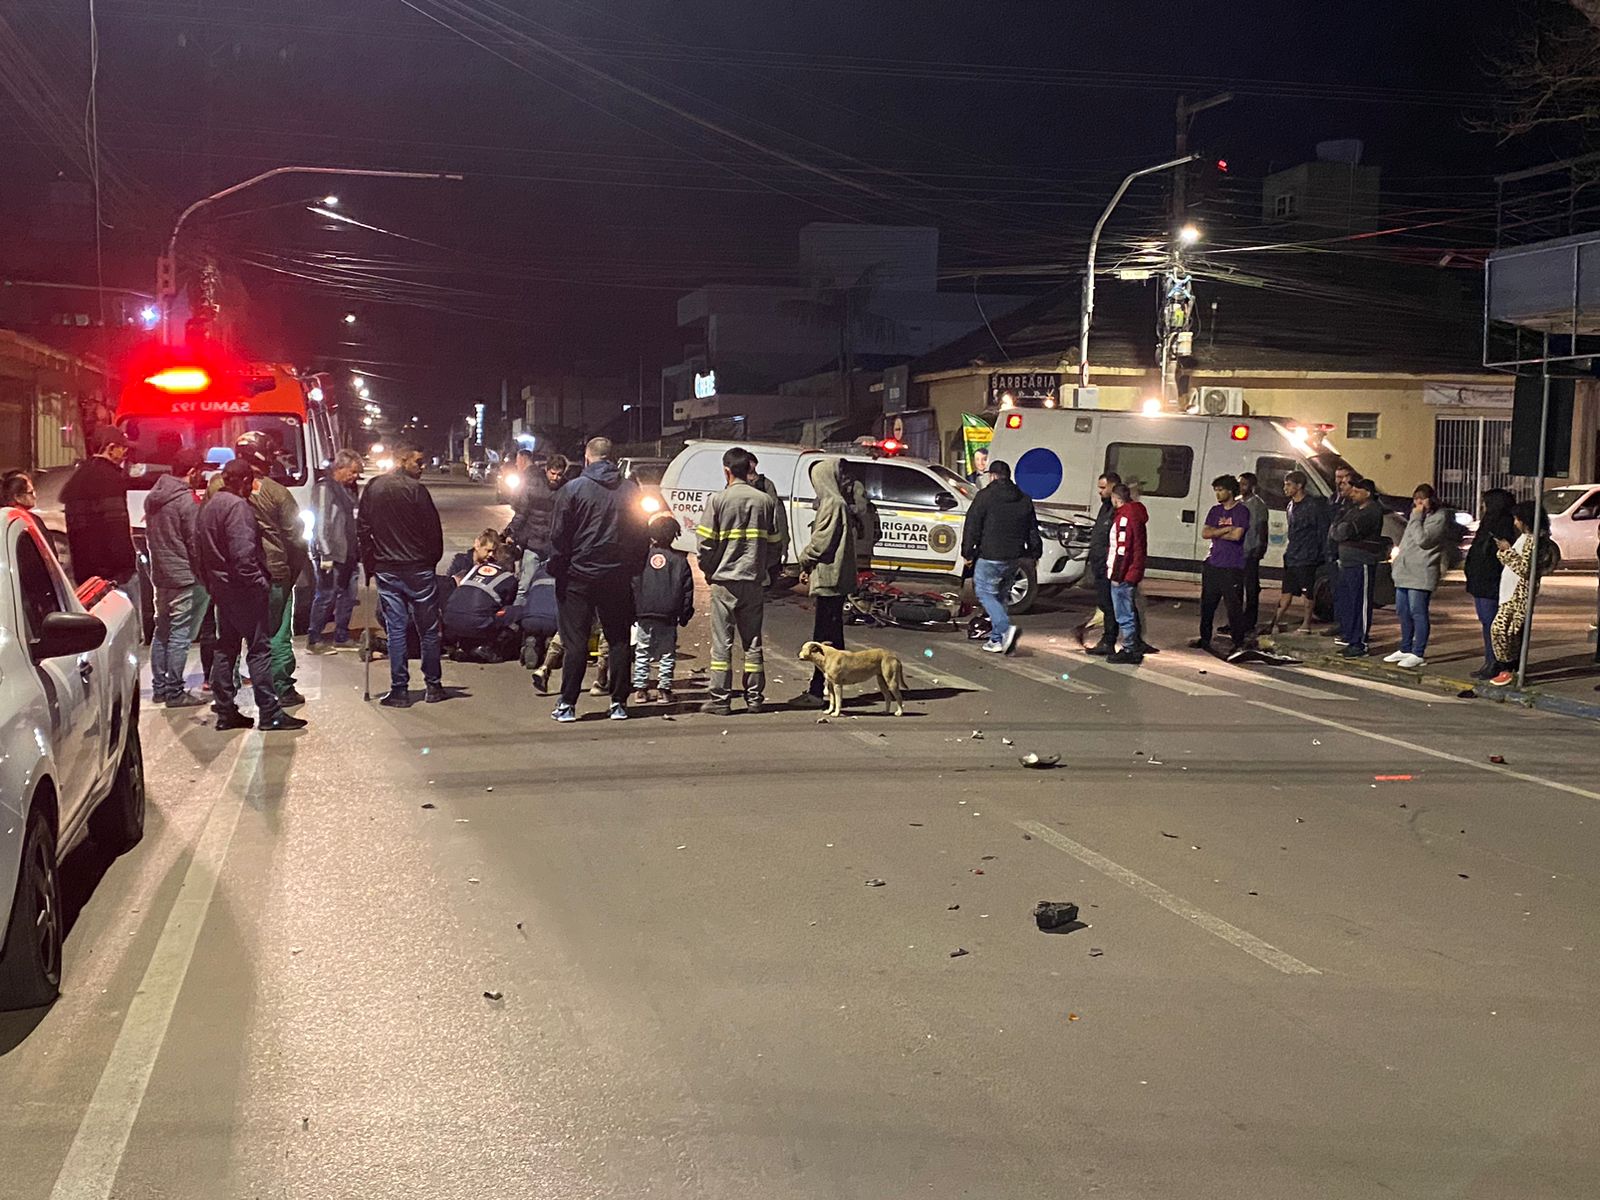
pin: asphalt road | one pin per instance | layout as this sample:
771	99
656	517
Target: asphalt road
1328	949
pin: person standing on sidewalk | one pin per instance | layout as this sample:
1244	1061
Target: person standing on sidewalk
95	500
283	540
1222	574
1308	519
171	516
1000	531
1484	570
1255	548
1099	548
1358	532
338	553
1417	567
233	566
597	546
828	567
529	530
1520	560
1125	570
663	603
738	539
402	541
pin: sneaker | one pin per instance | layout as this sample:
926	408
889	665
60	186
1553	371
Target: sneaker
755	706
807	700
1355	652
1396	656
1009	642
1200	644
1100	649
1339	641
185	700
1504	678
664	695
640	696
234	720
541	680
396	698
282	723
598	689
564	713
717	708
993	648
321	648
619	712
291	699
435	693
1130	657
1412	661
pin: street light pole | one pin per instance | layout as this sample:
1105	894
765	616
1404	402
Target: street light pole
167	264
1094	248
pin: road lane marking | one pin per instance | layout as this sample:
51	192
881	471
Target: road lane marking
1037	674
1492	768
1232	934
1374	685
90	1169
1188	687
936	678
1227	670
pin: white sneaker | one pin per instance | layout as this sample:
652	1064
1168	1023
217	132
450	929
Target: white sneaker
993	648
1412	661
1396	656
1009	642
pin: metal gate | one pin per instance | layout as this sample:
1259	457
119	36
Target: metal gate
1471	455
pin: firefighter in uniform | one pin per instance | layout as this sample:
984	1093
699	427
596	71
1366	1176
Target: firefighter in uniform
739	539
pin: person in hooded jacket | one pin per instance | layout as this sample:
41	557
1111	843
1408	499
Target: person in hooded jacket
1484	569
338	553
828	567
1126	551
1099	548
1001	530
233	566
597	546
171	515
1416	567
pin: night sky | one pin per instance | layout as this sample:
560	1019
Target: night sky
589	207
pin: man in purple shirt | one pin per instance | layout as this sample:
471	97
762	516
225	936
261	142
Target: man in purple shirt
1222	575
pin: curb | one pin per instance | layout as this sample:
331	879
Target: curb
1566	706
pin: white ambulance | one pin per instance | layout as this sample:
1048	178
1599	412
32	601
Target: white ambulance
921	509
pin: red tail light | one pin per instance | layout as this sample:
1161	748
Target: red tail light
183	380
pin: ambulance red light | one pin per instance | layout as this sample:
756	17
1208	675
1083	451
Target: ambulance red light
1013	420
1240	433
182	380
891	446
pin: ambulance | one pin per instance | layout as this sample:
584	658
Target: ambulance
921	508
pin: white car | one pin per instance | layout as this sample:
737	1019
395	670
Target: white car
1574	522
70	759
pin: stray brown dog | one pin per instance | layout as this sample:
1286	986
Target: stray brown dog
840	667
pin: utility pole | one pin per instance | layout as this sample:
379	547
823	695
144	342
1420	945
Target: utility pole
1177	293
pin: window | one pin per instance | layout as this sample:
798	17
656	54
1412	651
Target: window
900	487
36	584
1153	470
1361	425
1269	480
1286	205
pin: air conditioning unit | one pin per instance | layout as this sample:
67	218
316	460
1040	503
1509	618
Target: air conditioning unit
1219	401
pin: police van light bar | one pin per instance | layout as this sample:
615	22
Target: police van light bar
891	446
184	380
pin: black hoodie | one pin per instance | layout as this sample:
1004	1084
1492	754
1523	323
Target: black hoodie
1001	525
597	531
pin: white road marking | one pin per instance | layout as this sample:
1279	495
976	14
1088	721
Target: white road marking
1188	687
92	1162
938	678
1260	678
1037	674
1374	685
1492	768
1232	934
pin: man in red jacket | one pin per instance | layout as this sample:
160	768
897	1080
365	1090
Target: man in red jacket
1125	568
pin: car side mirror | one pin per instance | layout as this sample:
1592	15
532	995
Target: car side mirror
66	633
945	501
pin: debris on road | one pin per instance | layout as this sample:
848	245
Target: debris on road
430	804
1499	759
488	789
1040	762
1316	741
1007	742
951	907
959	952
494	996
1165	834
977	870
1072	1016
1095	952
988	858
915	824
1027	837
874	883
1466	694
977	735
1392	778
1053	914
1461	876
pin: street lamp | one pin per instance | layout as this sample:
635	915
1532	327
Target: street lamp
167	264
1188	235
1094	248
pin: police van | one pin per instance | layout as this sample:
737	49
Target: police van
1169	459
921	509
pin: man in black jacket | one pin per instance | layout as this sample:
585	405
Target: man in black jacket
1099	551
1358	533
597	546
535	506
1001	529
402	541
96	504
234	569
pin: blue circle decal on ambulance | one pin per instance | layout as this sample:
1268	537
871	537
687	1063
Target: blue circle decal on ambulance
1038	473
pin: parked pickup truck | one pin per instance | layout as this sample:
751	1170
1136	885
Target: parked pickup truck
70	760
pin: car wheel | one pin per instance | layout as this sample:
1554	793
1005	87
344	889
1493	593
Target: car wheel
117	823
30	972
1023	589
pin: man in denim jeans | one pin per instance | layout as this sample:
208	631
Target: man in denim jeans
334	503
171	510
1001	530
402	541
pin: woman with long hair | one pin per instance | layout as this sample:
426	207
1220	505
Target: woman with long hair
1484	570
1417	566
1517	581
